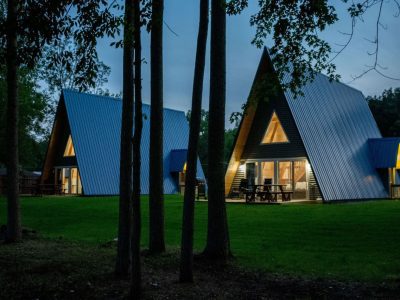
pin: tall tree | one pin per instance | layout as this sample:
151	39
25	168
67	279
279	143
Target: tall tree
217	246
186	263
156	230
137	138
125	185
35	24
14	231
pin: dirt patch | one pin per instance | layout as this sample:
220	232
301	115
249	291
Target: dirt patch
56	269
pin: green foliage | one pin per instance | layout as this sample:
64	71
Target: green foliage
355	241
59	69
386	111
34	109
230	135
294	27
50	23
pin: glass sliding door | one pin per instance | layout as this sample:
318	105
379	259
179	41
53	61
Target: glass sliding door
268	171
285	174
293	174
66	180
74	180
70	180
300	179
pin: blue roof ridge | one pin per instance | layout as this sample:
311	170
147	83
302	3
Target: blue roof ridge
113	98
266	50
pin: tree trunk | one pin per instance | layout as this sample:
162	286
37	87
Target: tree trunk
186	263
217	246
136	226
14	231
125	186
156	230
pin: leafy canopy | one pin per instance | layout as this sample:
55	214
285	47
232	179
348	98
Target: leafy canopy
386	111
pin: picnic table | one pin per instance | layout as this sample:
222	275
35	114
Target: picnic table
48	189
267	192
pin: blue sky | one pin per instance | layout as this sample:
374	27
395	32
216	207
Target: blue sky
243	58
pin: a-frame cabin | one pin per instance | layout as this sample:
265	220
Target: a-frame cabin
83	155
322	144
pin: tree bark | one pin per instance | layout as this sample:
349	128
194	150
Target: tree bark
217	246
14	232
156	230
124	227
186	263
136	278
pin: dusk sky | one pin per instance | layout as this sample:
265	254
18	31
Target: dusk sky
243	57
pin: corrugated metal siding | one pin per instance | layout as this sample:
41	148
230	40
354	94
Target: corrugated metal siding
255	150
335	124
384	152
313	190
95	123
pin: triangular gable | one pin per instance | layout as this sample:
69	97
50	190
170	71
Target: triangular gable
248	143
69	148
275	132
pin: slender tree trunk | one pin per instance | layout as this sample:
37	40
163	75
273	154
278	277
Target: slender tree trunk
156	230
136	278
123	256
14	215
217	246
186	263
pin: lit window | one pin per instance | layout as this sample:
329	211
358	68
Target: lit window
69	149
398	158
275	132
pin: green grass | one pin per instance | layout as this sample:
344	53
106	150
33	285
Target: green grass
352	241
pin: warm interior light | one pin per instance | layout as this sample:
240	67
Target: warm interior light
398	158
275	132
69	149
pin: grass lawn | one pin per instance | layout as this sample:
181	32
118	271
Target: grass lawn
353	241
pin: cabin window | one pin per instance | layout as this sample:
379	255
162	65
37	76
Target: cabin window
69	149
69	179
398	158
275	132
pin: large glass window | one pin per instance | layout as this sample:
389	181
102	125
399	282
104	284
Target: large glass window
69	149
70	180
285	174
275	132
268	171
74	180
300	179
65	180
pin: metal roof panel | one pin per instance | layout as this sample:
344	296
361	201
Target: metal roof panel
95	123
